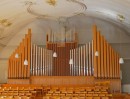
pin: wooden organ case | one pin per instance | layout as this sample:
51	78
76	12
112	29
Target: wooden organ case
45	69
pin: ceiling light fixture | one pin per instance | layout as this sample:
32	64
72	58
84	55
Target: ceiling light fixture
54	54
121	61
25	62
71	61
16	55
71	58
120	17
96	53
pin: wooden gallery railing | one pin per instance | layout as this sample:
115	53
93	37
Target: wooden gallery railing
82	60
16	68
41	61
106	64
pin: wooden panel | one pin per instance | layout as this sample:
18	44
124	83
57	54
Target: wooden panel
62	80
115	84
18	81
61	65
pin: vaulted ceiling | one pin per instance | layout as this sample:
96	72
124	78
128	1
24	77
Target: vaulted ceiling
16	14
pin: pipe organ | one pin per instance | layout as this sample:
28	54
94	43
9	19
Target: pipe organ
46	68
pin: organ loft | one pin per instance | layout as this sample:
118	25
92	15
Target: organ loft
64	62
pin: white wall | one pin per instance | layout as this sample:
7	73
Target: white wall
126	88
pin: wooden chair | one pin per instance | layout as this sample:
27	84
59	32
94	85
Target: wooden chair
9	97
66	97
55	94
89	97
61	95
102	95
81	95
75	95
25	97
17	97
95	95
69	94
55	97
48	94
46	97
74	98
105	97
96	98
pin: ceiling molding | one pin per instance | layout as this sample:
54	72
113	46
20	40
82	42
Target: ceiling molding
31	10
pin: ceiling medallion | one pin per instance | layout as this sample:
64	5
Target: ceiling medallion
120	17
5	22
47	12
51	2
29	3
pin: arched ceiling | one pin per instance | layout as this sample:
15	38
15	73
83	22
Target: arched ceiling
16	14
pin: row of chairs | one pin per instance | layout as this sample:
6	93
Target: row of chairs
96	90
83	92
57	97
20	91
15	97
80	95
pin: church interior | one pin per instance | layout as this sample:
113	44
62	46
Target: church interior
64	49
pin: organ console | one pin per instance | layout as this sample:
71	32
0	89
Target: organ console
56	70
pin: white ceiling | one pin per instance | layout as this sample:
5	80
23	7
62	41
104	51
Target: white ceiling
20	13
